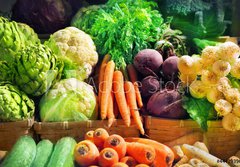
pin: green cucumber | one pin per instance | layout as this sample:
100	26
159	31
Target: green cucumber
43	155
62	155
22	153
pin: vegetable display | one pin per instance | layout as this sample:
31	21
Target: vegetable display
77	50
69	100
14	104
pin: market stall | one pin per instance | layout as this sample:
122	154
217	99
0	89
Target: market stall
119	83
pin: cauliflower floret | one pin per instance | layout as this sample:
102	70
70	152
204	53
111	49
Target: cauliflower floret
79	48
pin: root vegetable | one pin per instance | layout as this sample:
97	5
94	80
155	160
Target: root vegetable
183	160
236	109
209	56
232	95
201	146
148	62
178	153
231	122
235	71
228	51
194	162
221	68
198	89
224	84
186	64
166	104
187	79
223	107
209	78
214	95
234	161
192	151
170	67
150	85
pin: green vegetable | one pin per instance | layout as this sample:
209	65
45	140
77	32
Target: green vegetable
22	153
78	52
62	155
200	44
122	28
196	18
36	69
199	110
14	104
69	100
43	155
6	73
13	37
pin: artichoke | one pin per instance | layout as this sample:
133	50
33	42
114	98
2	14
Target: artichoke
36	69
14	104
13	37
69	100
6	73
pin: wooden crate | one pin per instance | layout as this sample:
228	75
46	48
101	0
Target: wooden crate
56	130
221	143
11	131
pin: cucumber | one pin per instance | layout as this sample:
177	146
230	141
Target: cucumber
22	153
62	155
43	155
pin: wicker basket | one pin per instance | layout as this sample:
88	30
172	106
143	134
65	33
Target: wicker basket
221	143
77	130
11	131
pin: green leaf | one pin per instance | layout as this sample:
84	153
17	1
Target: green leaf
199	110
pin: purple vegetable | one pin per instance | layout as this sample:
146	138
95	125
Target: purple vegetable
169	68
150	85
44	16
166	104
148	61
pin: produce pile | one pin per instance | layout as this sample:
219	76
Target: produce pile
104	150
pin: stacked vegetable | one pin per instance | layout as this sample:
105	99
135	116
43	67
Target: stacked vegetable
209	76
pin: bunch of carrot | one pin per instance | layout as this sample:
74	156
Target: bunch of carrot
117	95
99	149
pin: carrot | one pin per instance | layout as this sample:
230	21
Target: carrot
164	155
86	153
118	88
110	113
120	164
99	137
142	153
101	75
117	143
131	100
107	87
115	108
133	77
130	161
141	165
89	135
107	157
190	139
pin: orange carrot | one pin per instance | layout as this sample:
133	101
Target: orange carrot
117	143
118	89
120	164
115	107
107	157
133	77
130	161
101	75
142	153
164	155
132	103
107	87
110	113
99	137
89	135
86	153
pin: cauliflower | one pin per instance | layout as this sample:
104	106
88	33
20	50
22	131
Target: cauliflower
78	51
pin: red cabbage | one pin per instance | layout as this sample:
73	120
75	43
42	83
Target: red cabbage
44	16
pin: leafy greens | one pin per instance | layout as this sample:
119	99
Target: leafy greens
122	27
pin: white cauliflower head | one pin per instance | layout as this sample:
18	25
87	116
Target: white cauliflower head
79	49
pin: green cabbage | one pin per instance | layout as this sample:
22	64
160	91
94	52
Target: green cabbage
36	69
69	100
14	104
